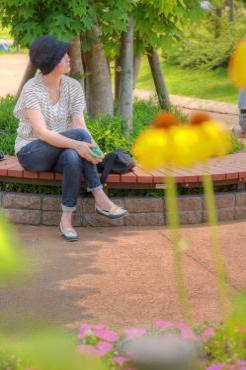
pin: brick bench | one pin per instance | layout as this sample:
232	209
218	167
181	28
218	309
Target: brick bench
228	170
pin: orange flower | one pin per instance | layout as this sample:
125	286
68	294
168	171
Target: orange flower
165	120
237	66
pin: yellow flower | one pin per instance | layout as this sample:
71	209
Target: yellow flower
237	66
188	148
151	148
217	137
182	144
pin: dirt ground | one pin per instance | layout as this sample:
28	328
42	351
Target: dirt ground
12	67
119	276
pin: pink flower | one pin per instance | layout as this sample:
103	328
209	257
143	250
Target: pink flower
106	334
228	367
208	333
120	359
85	328
102	348
186	332
241	362
132	333
163	324
83	331
215	367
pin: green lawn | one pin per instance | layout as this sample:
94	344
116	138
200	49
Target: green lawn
4	34
213	85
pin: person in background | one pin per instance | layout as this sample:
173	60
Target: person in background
52	134
242	112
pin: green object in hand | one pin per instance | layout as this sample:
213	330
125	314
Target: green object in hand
97	152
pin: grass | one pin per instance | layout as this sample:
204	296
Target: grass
4	34
198	83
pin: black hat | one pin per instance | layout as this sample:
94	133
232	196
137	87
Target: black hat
46	52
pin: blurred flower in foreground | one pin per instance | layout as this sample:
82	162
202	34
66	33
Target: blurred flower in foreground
167	142
11	259
151	148
237	66
49	349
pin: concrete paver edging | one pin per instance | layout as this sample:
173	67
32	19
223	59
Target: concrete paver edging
38	209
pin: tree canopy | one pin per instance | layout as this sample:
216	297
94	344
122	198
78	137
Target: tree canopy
154	20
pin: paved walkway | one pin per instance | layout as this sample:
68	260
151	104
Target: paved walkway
118	276
225	112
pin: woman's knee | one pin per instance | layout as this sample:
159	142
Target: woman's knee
82	135
71	157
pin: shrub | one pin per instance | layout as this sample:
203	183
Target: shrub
200	48
8	125
107	130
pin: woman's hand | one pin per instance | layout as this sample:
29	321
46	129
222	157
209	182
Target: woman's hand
83	149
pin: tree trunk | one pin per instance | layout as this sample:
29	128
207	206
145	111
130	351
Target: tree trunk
117	76
126	81
29	73
231	11
158	78
218	18
98	83
77	69
86	82
136	68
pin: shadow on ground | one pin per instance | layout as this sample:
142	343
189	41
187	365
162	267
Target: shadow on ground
119	276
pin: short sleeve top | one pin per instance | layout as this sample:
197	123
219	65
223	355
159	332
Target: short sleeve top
35	95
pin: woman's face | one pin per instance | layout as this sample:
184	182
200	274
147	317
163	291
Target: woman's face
64	64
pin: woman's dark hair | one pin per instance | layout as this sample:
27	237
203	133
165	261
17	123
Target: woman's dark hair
46	52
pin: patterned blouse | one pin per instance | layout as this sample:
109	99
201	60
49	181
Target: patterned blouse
35	95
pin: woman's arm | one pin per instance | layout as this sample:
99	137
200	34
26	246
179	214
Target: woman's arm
53	138
78	121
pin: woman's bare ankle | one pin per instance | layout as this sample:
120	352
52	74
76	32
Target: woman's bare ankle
102	200
66	219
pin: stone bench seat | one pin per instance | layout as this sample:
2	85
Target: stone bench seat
228	170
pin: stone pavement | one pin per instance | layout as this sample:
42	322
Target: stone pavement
225	112
119	276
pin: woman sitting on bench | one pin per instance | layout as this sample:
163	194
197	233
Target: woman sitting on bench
52	134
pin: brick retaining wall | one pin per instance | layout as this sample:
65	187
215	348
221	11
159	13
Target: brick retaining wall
35	209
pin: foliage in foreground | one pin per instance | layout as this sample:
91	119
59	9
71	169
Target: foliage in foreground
220	347
223	346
